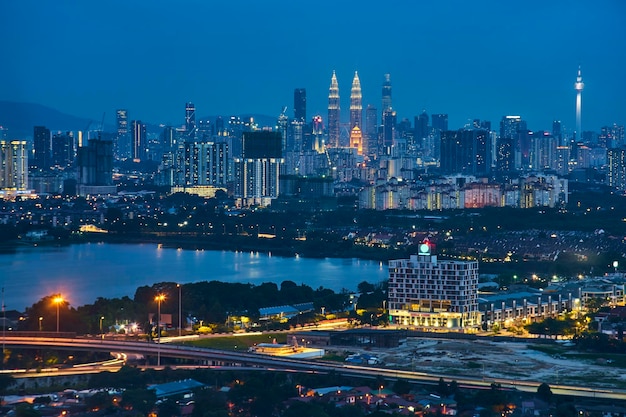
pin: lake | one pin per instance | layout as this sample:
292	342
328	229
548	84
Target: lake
82	273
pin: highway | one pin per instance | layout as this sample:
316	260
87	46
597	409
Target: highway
218	358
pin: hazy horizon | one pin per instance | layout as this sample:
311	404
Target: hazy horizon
470	60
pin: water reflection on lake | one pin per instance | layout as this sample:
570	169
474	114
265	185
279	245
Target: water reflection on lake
82	273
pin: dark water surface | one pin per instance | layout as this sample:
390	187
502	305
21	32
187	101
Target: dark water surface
82	273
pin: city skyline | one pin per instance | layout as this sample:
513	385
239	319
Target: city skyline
247	58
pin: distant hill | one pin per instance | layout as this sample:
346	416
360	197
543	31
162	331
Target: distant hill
20	118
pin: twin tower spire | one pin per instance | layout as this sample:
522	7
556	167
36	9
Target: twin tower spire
356	113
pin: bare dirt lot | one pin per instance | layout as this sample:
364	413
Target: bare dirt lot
490	360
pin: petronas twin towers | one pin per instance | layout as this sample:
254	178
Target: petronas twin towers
356	113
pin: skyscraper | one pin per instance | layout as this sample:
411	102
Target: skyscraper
333	112
389	129
578	86
439	122
139	142
122	144
299	104
386	93
421	126
190	120
556	130
371	131
356	104
41	145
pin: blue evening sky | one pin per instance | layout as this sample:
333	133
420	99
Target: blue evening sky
470	59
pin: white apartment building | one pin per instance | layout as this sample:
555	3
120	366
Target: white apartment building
427	293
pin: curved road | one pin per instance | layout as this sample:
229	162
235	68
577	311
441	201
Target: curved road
228	358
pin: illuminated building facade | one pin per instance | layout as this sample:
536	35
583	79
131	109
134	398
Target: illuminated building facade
334	127
616	175
13	165
205	163
122	144
428	293
257	171
139	141
356	140
356	104
190	120
386	93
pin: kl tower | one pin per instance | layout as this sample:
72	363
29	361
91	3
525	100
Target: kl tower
578	86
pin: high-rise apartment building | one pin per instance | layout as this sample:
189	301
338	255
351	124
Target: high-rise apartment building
42	147
95	168
139	141
205	163
299	104
466	151
514	129
510	125
14	165
257	171
428	293
62	149
334	126
616	163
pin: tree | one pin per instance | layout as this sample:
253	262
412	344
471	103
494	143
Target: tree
26	410
365	287
98	401
402	387
544	393
6	381
141	400
168	408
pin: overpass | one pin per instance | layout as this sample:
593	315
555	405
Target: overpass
218	358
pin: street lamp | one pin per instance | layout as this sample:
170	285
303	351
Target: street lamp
101	318
180	308
40	323
158	299
58	300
